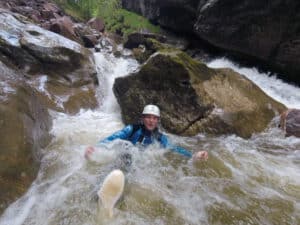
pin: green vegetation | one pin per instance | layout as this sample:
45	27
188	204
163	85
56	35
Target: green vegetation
78	9
116	19
125	22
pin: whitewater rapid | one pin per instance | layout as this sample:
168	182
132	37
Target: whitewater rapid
243	182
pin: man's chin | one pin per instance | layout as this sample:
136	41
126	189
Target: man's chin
150	128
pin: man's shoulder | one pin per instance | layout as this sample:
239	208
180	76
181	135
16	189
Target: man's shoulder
132	128
135	127
128	128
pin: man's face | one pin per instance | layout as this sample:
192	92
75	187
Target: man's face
150	121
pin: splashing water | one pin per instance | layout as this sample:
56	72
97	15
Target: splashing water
276	88
254	181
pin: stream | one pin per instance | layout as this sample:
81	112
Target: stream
245	181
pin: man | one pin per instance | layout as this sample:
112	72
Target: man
147	133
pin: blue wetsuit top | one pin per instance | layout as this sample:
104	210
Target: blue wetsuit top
138	134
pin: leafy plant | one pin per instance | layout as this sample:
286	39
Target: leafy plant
116	19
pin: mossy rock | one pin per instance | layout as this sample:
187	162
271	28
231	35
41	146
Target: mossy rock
144	45
138	38
194	98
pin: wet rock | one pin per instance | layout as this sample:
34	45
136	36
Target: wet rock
57	95
194	98
290	122
107	44
51	17
24	126
29	45
143	45
140	54
65	27
97	24
90	37
47	14
48	6
81	99
39	52
136	39
36	16
90	40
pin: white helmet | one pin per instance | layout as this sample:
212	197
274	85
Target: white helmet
152	110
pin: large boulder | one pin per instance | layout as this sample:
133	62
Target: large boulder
39	52
194	98
24	127
265	32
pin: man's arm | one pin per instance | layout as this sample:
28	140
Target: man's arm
200	155
121	134
166	144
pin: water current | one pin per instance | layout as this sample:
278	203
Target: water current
245	181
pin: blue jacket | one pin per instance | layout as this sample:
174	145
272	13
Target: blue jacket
138	134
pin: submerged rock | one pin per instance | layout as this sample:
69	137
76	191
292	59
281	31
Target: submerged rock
290	122
194	98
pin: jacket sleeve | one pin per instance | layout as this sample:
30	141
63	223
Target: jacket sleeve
166	144
121	134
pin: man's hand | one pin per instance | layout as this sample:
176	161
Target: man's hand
201	155
88	152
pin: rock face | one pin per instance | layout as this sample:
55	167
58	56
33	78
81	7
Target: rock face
290	122
264	31
24	128
175	14
194	98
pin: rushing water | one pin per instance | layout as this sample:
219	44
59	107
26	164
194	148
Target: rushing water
254	181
